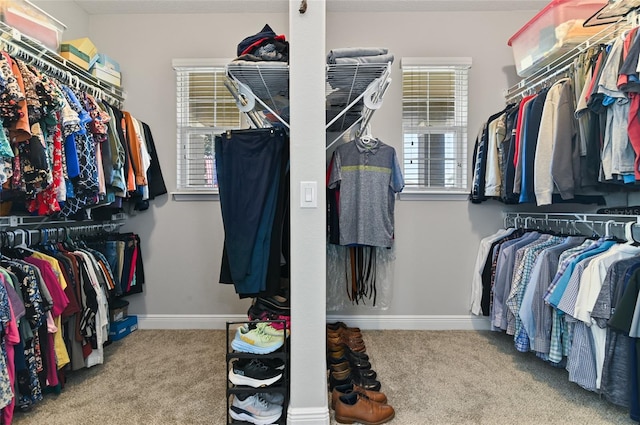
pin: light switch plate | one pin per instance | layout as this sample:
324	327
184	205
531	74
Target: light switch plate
308	194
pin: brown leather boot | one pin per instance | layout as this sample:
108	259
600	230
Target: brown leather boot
341	326
339	390
354	407
355	344
346	333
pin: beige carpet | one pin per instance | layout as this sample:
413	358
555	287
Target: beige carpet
447	377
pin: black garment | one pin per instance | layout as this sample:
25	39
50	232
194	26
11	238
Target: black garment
248	163
509	151
479	167
277	49
266	32
154	173
117	113
595	99
480	160
532	128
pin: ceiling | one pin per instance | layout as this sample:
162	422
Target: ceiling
98	7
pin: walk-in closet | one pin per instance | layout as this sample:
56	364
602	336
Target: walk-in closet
319	212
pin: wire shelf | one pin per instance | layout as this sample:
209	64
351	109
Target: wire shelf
563	63
54	65
353	92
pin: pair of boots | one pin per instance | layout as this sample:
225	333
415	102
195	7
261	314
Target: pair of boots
353	403
346	372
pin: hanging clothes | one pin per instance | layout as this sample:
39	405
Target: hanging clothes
363	177
63	151
368	174
563	298
251	168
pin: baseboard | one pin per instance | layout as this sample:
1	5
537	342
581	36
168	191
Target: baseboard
187	321
308	416
378	322
410	322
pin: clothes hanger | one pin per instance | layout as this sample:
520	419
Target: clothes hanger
365	134
607	229
628	233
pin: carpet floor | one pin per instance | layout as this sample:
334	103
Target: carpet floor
168	377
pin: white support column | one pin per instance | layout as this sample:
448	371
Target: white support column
308	401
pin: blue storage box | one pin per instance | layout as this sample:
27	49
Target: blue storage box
108	63
122	328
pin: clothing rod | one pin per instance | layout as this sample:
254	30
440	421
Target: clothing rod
40	221
578	223
29	237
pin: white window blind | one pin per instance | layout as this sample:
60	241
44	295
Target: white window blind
434	123
204	108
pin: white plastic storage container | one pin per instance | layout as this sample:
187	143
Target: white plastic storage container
555	30
30	20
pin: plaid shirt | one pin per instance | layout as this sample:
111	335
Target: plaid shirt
518	272
517	290
556	296
566	259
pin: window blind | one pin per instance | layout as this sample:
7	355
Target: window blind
434	124
204	107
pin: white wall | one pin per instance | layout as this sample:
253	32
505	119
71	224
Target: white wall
73	17
182	241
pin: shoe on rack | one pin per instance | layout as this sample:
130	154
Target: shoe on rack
339	390
255	313
277	303
279	325
254	409
273	398
253	372
255	341
273	363
355	407
270	330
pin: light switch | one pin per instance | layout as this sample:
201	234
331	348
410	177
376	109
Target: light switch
308	194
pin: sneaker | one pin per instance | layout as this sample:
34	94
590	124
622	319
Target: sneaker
269	329
273	398
279	325
275	302
254	409
274	363
255	341
253	372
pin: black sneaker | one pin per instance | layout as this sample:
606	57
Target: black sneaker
273	363
253	372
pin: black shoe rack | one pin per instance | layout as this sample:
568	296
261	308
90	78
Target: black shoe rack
281	386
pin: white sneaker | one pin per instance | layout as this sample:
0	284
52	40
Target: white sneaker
254	409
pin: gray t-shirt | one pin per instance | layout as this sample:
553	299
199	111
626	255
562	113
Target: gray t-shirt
368	175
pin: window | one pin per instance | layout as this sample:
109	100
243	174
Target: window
434	123
205	107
